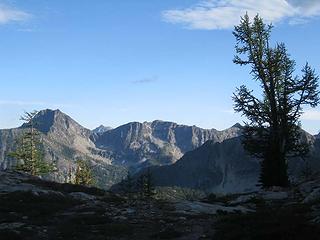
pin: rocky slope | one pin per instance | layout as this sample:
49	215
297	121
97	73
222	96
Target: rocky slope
31	208
158	142
226	168
214	167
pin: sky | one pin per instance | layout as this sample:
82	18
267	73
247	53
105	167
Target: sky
117	61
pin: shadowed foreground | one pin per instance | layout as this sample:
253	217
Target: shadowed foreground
31	208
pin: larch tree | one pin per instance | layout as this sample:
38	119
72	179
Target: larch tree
272	132
83	174
145	185
29	152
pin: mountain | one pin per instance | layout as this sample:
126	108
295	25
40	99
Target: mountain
215	166
101	129
224	167
133	145
64	141
8	138
157	143
211	160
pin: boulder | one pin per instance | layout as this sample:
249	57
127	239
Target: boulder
194	208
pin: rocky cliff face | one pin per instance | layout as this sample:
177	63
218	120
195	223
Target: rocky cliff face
8	138
157	143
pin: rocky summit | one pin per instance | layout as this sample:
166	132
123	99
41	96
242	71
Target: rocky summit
101	129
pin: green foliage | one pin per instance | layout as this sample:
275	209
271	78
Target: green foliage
83	174
29	152
128	187
145	185
272	132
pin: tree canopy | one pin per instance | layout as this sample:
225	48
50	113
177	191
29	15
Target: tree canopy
272	132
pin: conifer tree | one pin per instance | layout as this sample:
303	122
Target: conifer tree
272	132
128	187
29	152
145	185
83	174
141	185
149	185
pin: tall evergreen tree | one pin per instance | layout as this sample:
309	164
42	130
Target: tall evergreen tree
29	153
272	132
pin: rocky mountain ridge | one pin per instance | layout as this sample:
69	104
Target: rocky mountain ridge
110	153
157	142
101	129
180	155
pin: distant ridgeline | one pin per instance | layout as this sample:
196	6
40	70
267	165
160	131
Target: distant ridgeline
185	156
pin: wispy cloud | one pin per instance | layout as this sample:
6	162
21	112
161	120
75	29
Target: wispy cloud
10	14
224	14
312	115
145	80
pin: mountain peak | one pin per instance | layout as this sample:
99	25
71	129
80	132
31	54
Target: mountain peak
237	125
49	111
47	119
44	119
101	129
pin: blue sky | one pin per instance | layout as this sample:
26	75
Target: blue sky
112	62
